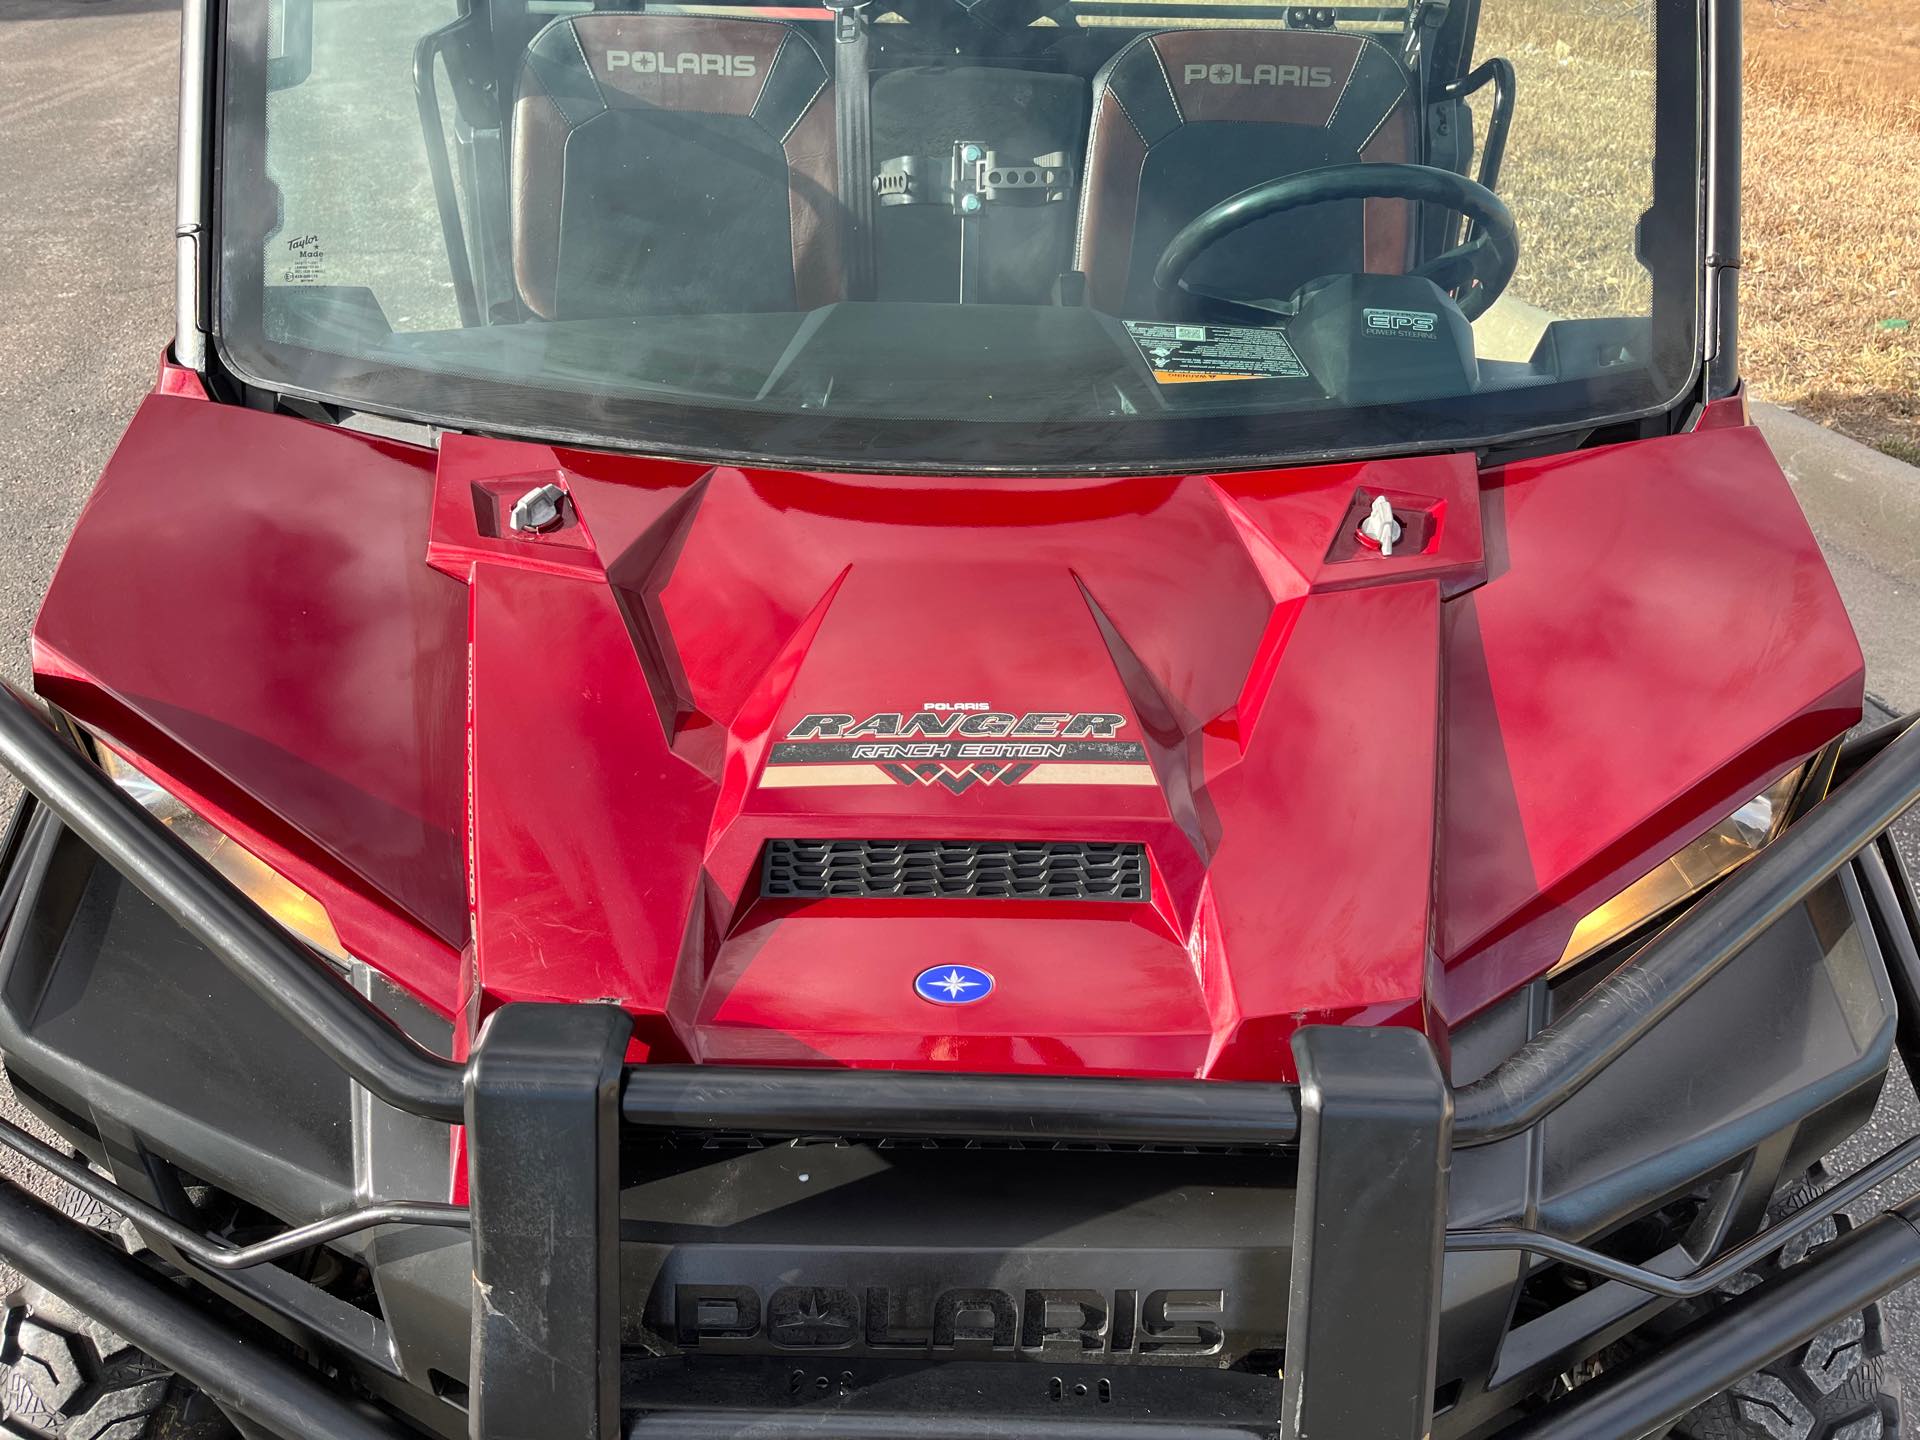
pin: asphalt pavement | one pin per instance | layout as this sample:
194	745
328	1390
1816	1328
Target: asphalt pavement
87	116
87	108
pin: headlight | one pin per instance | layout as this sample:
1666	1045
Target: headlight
286	902
1730	844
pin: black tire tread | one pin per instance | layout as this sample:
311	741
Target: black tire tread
1781	1403
65	1377
1838	1386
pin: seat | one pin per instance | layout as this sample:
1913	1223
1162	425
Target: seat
1183	119
673	164
1018	114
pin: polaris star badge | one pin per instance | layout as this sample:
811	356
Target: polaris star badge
953	984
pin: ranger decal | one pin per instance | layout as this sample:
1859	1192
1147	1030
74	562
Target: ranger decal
957	745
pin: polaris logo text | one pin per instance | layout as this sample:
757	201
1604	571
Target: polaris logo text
1159	1324
1308	77
1400	322
688	62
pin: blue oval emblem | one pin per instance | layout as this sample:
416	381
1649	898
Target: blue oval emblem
953	984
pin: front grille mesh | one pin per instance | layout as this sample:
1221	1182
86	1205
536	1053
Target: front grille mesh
955	869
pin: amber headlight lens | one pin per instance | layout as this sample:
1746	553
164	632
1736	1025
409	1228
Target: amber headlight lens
1724	848
286	902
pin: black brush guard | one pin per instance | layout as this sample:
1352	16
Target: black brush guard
1373	1122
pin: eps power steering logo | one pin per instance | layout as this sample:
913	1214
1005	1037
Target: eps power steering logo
1399	322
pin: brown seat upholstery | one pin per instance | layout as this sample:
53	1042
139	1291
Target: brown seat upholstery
1184	118
673	163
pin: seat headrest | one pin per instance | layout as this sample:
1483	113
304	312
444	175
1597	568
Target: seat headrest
591	63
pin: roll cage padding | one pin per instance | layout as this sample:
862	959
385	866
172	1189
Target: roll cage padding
1157	157
674	163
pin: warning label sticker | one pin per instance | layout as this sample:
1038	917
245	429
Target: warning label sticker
1185	354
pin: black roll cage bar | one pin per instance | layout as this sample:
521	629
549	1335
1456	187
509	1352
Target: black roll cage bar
547	1090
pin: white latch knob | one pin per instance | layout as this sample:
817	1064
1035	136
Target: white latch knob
537	510
1380	526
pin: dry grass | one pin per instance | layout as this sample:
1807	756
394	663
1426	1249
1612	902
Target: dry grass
1832	190
1579	164
1832	244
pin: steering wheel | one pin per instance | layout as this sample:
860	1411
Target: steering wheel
1474	273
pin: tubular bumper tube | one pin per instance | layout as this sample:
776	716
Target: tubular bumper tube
798	1425
969	1107
511	1085
1518	1093
214	1254
1783	1312
1562	1060
296	983
248	1380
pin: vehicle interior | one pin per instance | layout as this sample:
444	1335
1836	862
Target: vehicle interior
1037	210
672	161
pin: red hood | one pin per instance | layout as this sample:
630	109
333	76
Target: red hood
1348	771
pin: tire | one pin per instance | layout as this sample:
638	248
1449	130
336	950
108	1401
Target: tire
65	1377
1838	1386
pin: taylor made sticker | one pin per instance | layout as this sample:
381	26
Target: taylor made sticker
306	261
1184	354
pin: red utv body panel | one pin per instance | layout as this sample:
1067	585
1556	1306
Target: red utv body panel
1372	789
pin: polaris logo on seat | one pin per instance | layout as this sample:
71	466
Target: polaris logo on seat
1309	77
687	62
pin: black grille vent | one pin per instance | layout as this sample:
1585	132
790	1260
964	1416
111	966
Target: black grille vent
955	869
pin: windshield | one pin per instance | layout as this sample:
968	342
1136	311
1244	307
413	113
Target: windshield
1031	234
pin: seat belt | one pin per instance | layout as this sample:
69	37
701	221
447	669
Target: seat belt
853	135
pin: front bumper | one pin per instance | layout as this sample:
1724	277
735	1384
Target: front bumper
1371	1222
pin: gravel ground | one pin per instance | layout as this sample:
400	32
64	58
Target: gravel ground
86	182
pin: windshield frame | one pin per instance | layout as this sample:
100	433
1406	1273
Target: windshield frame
618	419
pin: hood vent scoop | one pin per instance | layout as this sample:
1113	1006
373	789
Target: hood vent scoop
954	870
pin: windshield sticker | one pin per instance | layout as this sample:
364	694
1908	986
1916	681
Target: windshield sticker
1184	354
957	745
306	261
